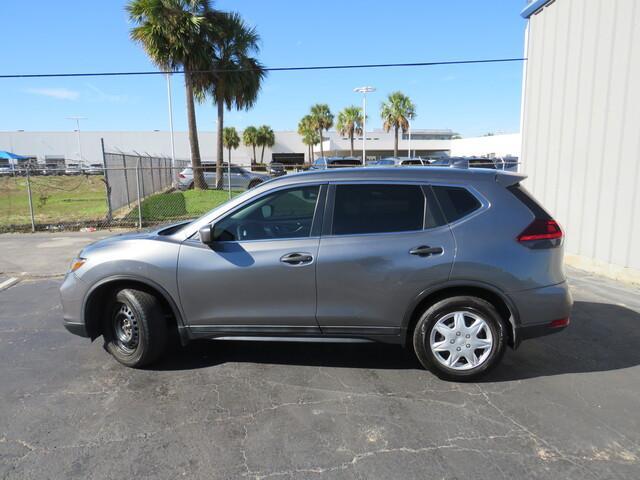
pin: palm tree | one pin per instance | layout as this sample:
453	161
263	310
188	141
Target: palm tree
321	119
250	139
266	138
231	140
350	123
395	113
235	75
174	35
309	134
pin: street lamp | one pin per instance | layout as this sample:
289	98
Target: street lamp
409	121
364	91
170	103
77	119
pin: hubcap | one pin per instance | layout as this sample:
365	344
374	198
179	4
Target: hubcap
125	327
461	340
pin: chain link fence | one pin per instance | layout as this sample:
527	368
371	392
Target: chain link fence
130	191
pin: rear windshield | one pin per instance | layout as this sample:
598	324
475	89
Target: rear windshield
456	202
343	163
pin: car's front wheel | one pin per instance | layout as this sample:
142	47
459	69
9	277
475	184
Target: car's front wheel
134	329
460	338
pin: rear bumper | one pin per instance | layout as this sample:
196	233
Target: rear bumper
541	311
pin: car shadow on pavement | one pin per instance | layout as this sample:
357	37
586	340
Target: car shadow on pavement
207	353
601	337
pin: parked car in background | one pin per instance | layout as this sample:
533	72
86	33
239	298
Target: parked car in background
5	167
276	169
93	169
54	169
456	264
72	169
241	179
397	162
335	162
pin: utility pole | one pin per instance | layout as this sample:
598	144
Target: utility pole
77	120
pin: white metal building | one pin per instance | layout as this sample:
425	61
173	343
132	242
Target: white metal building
288	144
581	126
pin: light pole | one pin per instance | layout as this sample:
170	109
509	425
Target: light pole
77	119
173	148
409	121
364	91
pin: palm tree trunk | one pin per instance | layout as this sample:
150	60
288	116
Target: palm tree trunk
254	154
219	145
321	146
395	142
262	154
196	163
351	138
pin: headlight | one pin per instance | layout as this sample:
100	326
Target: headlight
76	263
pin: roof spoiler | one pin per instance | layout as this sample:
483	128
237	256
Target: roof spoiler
507	179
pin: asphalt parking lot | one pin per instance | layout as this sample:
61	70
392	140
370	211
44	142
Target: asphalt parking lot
564	406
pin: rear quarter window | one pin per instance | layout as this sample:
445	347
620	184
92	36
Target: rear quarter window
456	202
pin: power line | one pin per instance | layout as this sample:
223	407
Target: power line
269	69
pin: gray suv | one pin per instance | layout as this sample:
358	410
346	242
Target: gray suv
456	264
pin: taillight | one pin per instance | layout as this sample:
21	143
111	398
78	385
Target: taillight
180	175
541	229
560	323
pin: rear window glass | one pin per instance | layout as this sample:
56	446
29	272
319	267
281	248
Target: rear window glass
525	197
377	209
456	202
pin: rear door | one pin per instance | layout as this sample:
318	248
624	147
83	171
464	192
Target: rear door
382	244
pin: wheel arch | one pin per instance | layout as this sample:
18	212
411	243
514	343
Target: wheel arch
95	298
491	294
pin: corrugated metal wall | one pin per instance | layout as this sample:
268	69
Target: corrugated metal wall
581	124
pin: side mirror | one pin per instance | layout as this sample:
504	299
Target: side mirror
206	234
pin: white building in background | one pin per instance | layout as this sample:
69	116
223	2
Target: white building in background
502	145
287	149
581	126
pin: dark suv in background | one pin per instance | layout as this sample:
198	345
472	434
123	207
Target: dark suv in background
456	264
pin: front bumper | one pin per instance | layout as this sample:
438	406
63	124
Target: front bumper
72	293
539	308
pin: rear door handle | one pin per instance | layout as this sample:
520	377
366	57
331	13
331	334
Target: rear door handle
296	258
425	251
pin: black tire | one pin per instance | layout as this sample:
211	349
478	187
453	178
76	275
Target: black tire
254	183
148	329
440	310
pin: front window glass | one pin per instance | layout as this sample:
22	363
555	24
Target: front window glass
282	214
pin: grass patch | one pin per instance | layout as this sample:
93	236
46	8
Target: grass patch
55	199
178	205
80	198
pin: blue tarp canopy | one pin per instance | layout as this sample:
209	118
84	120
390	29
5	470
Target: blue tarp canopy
11	156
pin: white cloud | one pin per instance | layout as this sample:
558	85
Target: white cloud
102	96
59	93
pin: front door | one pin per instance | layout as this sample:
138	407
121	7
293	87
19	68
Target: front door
382	246
259	275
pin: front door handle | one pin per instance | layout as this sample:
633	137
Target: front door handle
425	251
296	258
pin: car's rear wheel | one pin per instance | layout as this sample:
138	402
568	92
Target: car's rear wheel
134	329
460	338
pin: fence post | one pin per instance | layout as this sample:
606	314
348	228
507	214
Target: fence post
138	194
106	183
126	177
33	222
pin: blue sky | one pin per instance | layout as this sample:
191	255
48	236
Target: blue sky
81	35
